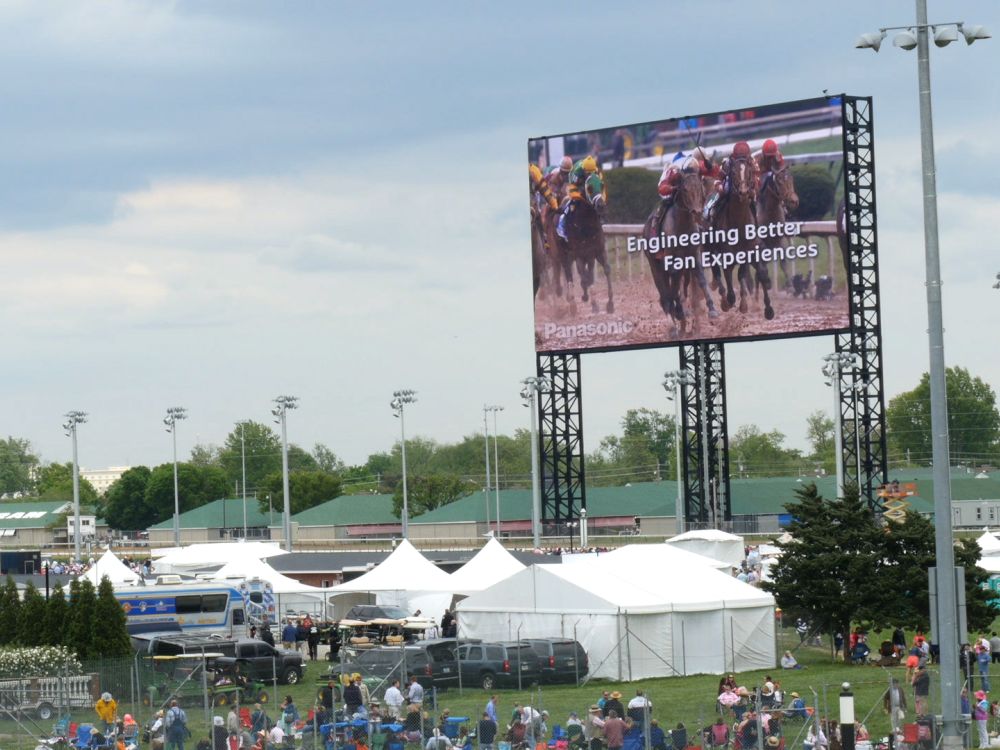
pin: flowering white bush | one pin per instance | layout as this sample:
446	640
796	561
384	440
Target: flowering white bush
38	661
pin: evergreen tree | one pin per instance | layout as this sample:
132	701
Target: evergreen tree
31	618
10	609
80	630
112	635
829	574
56	617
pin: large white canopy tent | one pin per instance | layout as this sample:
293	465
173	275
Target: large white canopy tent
651	558
405	578
116	571
634	623
212	555
491	564
719	545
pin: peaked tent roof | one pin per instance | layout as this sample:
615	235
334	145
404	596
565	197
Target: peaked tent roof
661	556
404	570
216	553
988	543
109	565
491	564
280	584
708	535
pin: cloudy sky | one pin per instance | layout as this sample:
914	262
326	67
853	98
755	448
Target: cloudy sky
209	204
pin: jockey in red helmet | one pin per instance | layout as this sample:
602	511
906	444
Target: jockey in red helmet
741	151
770	159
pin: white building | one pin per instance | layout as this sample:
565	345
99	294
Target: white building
102	479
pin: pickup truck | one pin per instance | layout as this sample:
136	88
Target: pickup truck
258	661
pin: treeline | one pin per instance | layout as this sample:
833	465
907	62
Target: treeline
90	623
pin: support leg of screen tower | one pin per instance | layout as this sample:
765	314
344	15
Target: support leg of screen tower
705	438
862	398
560	416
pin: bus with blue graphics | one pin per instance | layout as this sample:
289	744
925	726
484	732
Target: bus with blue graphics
171	605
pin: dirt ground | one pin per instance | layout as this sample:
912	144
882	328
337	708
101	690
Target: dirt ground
637	309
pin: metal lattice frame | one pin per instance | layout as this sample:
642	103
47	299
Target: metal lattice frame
861	387
560	414
703	424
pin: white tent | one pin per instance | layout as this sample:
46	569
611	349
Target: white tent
988	543
289	594
109	565
491	564
719	545
657	557
208	555
405	578
634	625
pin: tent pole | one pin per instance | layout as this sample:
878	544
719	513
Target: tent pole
684	667
618	620
628	647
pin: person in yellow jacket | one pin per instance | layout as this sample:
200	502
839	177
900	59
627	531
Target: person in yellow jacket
107	711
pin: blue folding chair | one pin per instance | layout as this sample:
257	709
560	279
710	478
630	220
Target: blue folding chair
83	733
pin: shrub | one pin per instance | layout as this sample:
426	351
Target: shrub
632	194
817	189
40	661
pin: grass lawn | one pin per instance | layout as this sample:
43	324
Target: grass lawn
690	700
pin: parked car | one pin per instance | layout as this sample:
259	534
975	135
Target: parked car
491	665
559	659
259	661
432	661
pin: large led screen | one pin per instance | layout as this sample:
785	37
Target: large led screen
718	227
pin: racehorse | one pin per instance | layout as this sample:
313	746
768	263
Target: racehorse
584	245
682	217
734	210
539	254
775	199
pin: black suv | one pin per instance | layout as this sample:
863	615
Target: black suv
559	659
491	665
366	612
432	661
258	660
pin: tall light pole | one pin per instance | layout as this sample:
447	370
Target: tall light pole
73	419
399	401
284	404
486	449
496	459
673	382
243	463
174	415
917	35
532	387
834	364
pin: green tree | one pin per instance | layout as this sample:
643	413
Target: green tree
55	482
973	419
427	492
56	617
820	433
306	489
205	454
196	485
905	599
80	628
10	609
762	454
829	574
125	501
326	459
262	451
31	617
17	464
112	635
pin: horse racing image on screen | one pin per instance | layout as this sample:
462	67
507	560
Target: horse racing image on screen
716	227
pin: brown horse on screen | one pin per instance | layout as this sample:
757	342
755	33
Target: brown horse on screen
682	217
775	199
